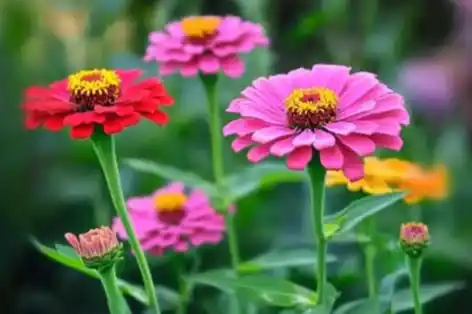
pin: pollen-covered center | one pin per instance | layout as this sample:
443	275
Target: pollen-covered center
89	88
170	207
311	108
200	27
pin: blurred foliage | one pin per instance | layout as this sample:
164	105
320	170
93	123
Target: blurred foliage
52	185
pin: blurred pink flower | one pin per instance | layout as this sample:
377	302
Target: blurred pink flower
342	116
204	43
429	82
169	219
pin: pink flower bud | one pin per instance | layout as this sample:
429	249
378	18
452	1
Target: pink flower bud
98	247
414	238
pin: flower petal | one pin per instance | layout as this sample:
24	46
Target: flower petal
323	140
332	158
361	145
340	127
258	153
282	147
299	158
269	134
306	138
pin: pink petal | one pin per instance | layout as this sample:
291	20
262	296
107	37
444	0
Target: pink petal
358	86
335	76
241	143
331	158
323	140
189	69
209	64
269	134
361	145
282	147
232	66
343	128
181	246
353	111
243	126
388	141
299	158
306	138
140	203
365	127
258	153
353	168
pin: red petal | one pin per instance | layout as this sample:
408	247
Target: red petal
88	117
54	123
158	117
81	131
113	126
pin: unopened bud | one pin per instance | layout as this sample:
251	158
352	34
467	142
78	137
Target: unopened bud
414	238
99	248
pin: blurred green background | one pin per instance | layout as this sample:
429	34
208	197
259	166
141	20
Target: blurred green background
52	185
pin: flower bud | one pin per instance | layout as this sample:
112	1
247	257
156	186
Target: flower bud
414	238
98	248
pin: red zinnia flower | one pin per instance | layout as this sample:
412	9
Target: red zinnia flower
112	99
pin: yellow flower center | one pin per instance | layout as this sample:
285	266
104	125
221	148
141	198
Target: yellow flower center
93	87
310	108
170	202
200	26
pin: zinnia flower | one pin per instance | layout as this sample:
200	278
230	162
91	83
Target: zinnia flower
112	99
384	176
99	248
342	116
204	44
414	238
169	219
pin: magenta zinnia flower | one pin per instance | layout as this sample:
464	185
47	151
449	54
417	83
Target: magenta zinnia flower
204	43
169	219
342	116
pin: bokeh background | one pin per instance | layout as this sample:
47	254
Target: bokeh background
51	185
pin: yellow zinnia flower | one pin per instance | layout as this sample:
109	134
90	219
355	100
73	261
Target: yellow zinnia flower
388	175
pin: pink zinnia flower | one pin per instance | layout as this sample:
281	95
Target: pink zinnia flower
204	43
342	116
169	219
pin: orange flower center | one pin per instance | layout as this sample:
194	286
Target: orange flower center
311	108
200	27
170	207
93	87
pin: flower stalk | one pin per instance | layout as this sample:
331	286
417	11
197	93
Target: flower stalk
414	267
114	297
104	147
317	188
210	85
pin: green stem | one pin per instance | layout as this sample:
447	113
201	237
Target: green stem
414	265
370	252
114	297
210	85
104	147
317	187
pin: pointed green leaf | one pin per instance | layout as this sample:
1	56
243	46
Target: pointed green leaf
362	306
402	300
360	209
170	173
389	283
67	250
260	176
63	256
282	259
259	288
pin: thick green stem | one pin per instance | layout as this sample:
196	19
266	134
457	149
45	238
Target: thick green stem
317	187
414	265
210	85
104	147
114	297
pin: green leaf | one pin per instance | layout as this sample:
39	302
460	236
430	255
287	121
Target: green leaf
67	250
171	173
362	306
389	283
281	259
360	209
259	176
402	300
258	288
63	256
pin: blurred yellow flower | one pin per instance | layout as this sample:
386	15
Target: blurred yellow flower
389	175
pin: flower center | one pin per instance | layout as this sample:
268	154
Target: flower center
200	27
311	108
170	207
93	87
